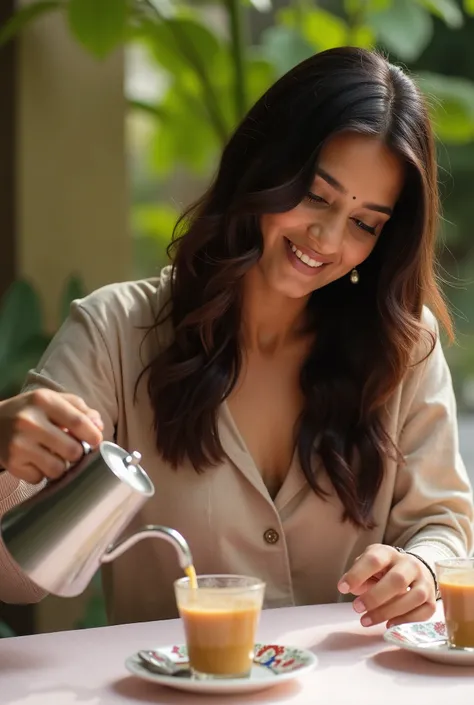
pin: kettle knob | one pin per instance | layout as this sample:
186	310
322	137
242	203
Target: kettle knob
132	459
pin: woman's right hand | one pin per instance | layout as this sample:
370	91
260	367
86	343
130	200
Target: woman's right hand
41	433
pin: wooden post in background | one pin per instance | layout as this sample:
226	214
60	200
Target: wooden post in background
72	183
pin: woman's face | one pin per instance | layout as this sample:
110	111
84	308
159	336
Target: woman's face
335	228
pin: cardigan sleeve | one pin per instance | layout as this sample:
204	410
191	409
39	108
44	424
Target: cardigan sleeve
432	509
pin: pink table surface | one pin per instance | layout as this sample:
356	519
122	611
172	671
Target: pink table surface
86	667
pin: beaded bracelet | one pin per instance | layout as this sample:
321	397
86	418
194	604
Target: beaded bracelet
425	563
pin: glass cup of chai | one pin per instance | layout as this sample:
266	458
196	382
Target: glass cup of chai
220	619
456	585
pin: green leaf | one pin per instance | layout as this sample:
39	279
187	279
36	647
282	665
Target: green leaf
99	25
156	221
405	28
260	75
20	319
74	289
284	47
468	6
321	29
154	111
175	42
362	36
191	54
452	105
13	373
25	16
186	138
153	227
447	10
360	7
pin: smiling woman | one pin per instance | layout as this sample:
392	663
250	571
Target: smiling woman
332	231
284	379
336	162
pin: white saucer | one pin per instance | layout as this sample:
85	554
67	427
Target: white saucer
428	639
273	664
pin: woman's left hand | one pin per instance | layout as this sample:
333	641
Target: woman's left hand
392	587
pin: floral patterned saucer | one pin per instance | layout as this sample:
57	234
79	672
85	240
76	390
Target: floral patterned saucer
429	640
272	664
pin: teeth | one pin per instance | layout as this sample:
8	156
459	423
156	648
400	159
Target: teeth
304	258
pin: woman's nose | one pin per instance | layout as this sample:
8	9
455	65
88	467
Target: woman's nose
327	237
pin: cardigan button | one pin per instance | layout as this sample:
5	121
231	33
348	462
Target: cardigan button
271	536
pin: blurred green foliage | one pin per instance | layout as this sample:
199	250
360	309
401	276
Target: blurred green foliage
23	337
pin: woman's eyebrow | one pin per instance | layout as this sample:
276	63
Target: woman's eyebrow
331	180
339	187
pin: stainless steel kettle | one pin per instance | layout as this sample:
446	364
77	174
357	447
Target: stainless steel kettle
60	536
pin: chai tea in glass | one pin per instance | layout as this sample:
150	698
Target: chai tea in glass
220	620
456	585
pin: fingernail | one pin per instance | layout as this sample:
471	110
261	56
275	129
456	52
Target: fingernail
366	621
344	588
359	606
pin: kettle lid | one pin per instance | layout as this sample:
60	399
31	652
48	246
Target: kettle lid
126	467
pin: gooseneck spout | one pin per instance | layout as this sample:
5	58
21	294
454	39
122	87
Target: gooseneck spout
152	531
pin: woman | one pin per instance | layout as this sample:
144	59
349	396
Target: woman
284	380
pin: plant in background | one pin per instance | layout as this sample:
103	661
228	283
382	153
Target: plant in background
211	68
23	338
213	72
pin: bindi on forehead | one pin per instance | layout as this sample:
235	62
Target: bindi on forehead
339	187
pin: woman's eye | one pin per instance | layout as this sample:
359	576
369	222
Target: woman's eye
315	198
363	226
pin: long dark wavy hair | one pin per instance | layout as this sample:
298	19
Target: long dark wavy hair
365	333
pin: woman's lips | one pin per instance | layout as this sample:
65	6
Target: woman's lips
296	255
311	254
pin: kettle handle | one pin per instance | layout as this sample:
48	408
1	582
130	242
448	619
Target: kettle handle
152	531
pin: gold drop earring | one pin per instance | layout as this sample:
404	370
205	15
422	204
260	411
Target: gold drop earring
354	276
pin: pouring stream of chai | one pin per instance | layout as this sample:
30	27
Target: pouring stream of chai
191	573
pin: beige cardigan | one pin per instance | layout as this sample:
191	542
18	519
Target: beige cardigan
297	543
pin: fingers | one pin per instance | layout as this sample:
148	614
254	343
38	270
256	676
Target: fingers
368	584
374	562
390	586
417	599
394	583
43	431
28	459
55	440
421	614
30	474
52	465
81	405
71	412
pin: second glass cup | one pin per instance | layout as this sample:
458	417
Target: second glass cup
220	621
456	585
